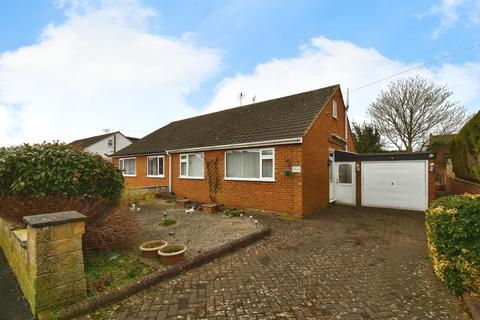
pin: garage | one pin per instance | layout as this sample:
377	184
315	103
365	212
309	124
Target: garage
395	184
387	180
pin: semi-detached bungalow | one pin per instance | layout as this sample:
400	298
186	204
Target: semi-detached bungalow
273	155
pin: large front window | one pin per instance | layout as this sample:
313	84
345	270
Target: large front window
155	166
250	165
192	165
127	166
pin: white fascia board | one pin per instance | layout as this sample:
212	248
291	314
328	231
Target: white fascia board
241	145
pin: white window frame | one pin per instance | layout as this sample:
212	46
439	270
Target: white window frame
108	142
158	166
334	109
120	162
180	166
262	157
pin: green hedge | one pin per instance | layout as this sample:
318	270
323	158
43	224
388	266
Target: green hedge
465	150
453	231
43	170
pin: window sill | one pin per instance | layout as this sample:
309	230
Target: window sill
192	178
162	176
130	175
249	179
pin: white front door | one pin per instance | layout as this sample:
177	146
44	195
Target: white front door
345	182
331	176
395	184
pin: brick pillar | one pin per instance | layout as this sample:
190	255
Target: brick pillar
54	245
358	184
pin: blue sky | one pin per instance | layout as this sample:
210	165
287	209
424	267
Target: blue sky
228	47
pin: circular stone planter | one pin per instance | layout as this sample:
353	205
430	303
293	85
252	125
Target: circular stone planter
172	253
149	249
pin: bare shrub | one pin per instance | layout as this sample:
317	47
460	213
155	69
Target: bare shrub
107	227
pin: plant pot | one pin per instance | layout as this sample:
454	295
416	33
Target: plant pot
183	202
169	258
149	249
209	207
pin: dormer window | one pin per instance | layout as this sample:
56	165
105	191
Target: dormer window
334	109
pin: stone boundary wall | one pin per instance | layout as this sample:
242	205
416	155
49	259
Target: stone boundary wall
46	257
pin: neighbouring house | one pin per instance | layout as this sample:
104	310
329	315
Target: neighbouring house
274	155
104	144
439	144
462	166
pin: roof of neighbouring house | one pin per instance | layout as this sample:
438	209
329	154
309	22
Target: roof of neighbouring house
442	138
282	118
87	142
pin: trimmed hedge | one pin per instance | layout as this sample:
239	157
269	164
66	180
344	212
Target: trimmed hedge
465	150
453	231
52	169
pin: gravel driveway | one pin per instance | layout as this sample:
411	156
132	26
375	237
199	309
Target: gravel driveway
341	263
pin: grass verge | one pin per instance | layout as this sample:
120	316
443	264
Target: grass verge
107	270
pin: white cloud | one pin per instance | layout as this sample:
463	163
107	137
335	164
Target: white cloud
325	62
452	12
101	68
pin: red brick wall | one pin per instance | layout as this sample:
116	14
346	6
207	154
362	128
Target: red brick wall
283	195
316	144
358	184
458	186
141	180
441	154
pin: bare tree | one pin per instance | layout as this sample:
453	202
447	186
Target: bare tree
410	109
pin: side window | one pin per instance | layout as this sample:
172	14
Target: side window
110	142
192	165
128	166
345	173
334	109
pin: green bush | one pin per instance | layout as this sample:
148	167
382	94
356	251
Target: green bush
47	169
465	150
232	212
453	231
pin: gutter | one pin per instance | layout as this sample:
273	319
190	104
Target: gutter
169	172
240	145
346	131
345	108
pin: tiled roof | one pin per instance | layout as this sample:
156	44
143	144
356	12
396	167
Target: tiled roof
281	118
87	142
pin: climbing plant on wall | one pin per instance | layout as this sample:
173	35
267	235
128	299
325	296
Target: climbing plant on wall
214	180
465	150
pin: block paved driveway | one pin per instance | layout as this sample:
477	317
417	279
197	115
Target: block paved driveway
341	263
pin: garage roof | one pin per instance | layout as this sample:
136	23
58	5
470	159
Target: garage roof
384	156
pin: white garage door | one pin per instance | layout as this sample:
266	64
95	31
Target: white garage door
395	184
